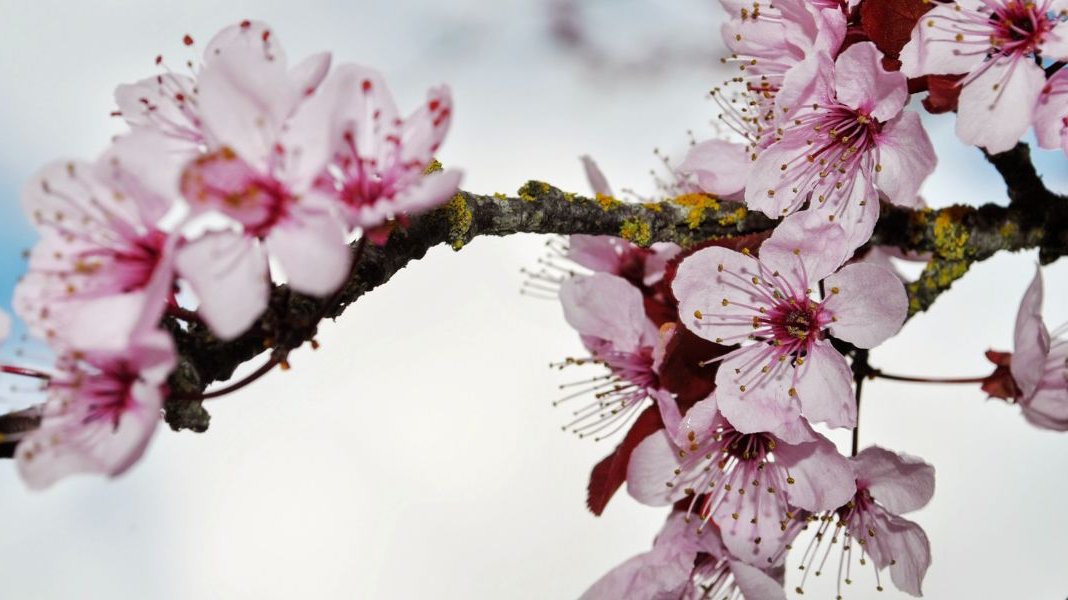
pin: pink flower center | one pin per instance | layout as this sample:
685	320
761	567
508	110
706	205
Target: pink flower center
1020	27
796	323
104	396
617	396
231	186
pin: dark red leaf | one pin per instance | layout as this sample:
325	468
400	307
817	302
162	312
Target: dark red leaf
611	472
889	23
681	371
942	93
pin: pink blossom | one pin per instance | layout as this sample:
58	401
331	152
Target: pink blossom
379	162
683	564
609	314
1051	113
995	42
102	257
101	412
719	167
768	40
1039	364
766	305
846	141
747	484
616	256
870	525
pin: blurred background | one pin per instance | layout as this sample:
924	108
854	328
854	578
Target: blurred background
416	454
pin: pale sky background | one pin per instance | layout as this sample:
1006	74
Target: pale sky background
416	454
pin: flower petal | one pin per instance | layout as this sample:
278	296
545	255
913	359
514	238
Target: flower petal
606	307
1031	339
868	302
310	246
754	583
823	478
805	248
862	83
900	482
721	167
228	273
995	108
651	468
825	388
715	283
906	158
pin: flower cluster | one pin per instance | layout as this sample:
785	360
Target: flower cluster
247	170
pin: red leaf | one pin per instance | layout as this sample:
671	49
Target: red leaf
611	472
889	23
681	371
942	93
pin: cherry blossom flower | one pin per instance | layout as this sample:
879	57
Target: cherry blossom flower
766	305
747	484
846	141
869	525
102	257
1039	364
609	314
996	43
379	162
1051	113
683	564
101	412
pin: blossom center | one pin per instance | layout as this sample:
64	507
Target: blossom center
1019	27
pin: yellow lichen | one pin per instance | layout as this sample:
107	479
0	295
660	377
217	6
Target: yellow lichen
950	237
532	191
637	231
460	217
433	167
607	202
1008	230
500	196
734	217
698	205
653	206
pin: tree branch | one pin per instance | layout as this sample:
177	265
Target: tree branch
956	236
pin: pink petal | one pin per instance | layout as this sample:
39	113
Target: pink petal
769	188
367	111
741	376
1051	110
427	193
1031	339
5	325
1048	407
825	388
759	413
1055	43
995	108
868	302
652	466
934	50
906	158
145	166
900	482
228	273
424	130
805	248
245	37
902	545
595	252
700	420
310	72
704	280
598	182
742	520
756	584
67	196
862	84
153	104
244	100
310	246
721	167
823	478
606	307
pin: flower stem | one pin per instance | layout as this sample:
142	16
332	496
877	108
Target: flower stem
892	377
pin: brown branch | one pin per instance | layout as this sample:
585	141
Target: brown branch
956	237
